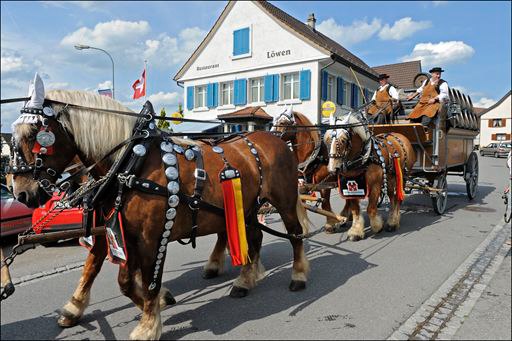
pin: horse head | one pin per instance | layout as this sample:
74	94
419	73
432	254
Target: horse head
340	140
42	148
284	122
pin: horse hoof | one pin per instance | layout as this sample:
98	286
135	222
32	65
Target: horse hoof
354	238
67	320
239	292
297	285
329	228
169	299
210	273
391	228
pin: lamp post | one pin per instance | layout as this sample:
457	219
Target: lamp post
84	47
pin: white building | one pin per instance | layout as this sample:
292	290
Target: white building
257	55
496	122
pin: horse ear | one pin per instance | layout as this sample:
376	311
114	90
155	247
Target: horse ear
36	93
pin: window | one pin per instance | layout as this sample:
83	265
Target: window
331	93
497	122
226	93
346	93
501	137
291	86
241	42
200	96
256	90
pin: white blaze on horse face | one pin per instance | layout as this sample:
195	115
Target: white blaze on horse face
333	162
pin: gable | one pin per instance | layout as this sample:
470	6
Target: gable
270	44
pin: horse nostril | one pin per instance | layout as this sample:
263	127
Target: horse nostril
22	197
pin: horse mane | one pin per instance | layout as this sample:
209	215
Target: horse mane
95	132
303	120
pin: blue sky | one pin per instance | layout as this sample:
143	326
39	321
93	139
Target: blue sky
470	40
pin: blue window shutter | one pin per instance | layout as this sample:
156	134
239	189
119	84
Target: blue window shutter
236	43
190	97
305	85
324	85
267	87
339	92
351	95
243	91
215	94
275	88
236	92
244	40
209	95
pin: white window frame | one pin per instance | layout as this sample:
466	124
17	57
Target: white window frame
197	93
331	88
346	93
261	91
496	123
295	79
231	94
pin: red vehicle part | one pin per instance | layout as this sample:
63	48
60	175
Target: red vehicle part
15	217
46	220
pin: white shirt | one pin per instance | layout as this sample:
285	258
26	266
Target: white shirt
392	91
443	89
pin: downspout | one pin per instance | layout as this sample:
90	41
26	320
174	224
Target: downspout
319	113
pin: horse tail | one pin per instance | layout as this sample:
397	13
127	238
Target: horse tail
302	216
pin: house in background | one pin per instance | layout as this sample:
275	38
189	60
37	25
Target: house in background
496	122
401	75
256	55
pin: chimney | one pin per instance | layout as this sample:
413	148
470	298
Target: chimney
311	21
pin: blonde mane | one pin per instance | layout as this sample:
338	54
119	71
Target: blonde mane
303	120
95	132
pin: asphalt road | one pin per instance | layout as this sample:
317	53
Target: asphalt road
356	290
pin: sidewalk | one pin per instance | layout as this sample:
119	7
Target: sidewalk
490	318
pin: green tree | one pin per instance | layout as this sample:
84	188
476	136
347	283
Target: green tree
163	124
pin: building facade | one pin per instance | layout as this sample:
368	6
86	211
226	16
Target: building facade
496	122
257	55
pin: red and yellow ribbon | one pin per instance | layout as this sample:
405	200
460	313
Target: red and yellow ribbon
400	194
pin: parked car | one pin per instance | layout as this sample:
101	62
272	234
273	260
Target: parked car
496	149
16	217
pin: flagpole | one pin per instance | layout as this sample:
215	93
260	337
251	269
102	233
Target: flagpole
146	80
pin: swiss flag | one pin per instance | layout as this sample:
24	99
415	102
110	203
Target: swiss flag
139	86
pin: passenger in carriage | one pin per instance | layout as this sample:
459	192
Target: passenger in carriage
434	94
383	101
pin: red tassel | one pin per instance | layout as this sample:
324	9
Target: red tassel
231	222
400	194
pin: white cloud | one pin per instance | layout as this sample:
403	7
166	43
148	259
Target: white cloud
174	50
112	35
439	3
56	86
403	28
165	99
105	85
11	62
484	102
358	31
91	6
442	53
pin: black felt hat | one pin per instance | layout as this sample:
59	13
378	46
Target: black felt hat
436	69
383	76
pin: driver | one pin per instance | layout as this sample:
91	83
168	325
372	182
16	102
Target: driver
433	94
382	101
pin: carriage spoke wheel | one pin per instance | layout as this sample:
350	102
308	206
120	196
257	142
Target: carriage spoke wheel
439	199
471	176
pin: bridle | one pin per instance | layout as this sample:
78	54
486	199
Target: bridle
42	149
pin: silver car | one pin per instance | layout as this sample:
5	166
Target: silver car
496	149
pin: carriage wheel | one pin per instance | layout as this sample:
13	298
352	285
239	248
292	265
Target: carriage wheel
439	199
471	175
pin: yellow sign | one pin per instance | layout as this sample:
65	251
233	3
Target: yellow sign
177	114
328	108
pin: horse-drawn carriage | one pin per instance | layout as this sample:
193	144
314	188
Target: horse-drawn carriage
446	148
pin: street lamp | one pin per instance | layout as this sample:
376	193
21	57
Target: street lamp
84	47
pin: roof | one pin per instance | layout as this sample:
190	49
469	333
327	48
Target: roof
317	37
247	112
477	111
297	26
401	74
495	104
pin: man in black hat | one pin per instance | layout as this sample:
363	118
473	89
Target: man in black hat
434	92
383	101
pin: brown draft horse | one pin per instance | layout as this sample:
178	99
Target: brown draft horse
91	135
347	145
312	155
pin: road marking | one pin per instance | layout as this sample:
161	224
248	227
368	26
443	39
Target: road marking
24	280
441	316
